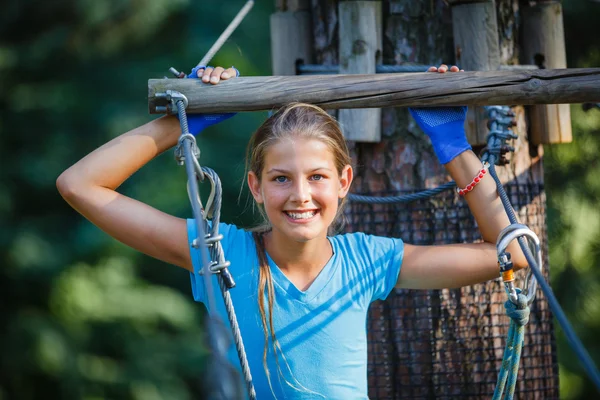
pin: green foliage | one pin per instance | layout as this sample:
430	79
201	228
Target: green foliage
82	316
572	176
573	192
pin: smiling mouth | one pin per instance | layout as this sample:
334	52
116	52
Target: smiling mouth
300	216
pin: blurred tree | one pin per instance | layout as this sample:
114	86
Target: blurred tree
81	316
573	188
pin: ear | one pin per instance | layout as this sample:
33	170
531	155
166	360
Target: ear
345	181
254	185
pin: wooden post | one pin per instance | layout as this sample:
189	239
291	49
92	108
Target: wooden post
291	36
360	46
544	44
476	48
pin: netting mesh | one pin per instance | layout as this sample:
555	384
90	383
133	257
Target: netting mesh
443	344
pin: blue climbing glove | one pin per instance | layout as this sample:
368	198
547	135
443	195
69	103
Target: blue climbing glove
445	126
198	122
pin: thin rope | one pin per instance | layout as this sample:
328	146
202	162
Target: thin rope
227	32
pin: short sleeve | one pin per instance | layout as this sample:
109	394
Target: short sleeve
386	261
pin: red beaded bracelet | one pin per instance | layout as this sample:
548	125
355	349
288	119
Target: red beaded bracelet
475	180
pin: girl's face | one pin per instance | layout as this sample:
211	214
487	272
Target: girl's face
300	188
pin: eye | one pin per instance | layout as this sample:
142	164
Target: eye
317	177
280	179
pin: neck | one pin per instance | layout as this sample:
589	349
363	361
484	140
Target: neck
299	258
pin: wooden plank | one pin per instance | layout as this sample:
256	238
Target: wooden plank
544	42
291	39
575	85
476	49
360	45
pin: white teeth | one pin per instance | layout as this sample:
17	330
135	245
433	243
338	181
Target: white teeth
304	215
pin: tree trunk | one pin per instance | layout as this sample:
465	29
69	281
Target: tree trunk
440	343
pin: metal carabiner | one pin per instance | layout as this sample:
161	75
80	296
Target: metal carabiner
505	237
201	176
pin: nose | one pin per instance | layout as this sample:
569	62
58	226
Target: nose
301	192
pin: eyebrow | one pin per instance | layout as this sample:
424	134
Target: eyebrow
283	171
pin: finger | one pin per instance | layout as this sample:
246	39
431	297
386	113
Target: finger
229	72
443	68
454	68
215	76
206	75
462	70
199	73
432	69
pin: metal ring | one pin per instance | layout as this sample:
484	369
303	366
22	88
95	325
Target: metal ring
513	232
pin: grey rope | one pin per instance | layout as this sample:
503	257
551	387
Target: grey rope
407	198
226	381
315	69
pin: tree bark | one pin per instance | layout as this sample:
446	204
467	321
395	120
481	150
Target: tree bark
440	343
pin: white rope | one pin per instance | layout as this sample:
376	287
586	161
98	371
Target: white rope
227	32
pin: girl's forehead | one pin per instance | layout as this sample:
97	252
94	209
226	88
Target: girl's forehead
295	151
299	146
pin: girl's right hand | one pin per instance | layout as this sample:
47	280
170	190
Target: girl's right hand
443	125
198	122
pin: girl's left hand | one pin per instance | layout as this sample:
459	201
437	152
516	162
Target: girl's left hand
444	125
198	122
213	75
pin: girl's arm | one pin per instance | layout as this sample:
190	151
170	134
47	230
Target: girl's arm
457	265
90	187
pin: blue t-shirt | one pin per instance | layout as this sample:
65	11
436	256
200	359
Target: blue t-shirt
322	331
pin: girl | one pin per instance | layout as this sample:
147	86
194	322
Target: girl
302	296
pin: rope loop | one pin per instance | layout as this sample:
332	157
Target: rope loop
519	311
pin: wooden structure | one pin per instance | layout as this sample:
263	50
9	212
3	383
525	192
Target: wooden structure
436	344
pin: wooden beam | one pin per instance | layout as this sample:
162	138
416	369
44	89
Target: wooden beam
575	85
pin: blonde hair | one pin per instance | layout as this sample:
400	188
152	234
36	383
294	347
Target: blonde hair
296	120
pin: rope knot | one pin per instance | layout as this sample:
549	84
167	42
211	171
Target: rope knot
518	312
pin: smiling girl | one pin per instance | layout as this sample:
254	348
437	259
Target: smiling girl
302	293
